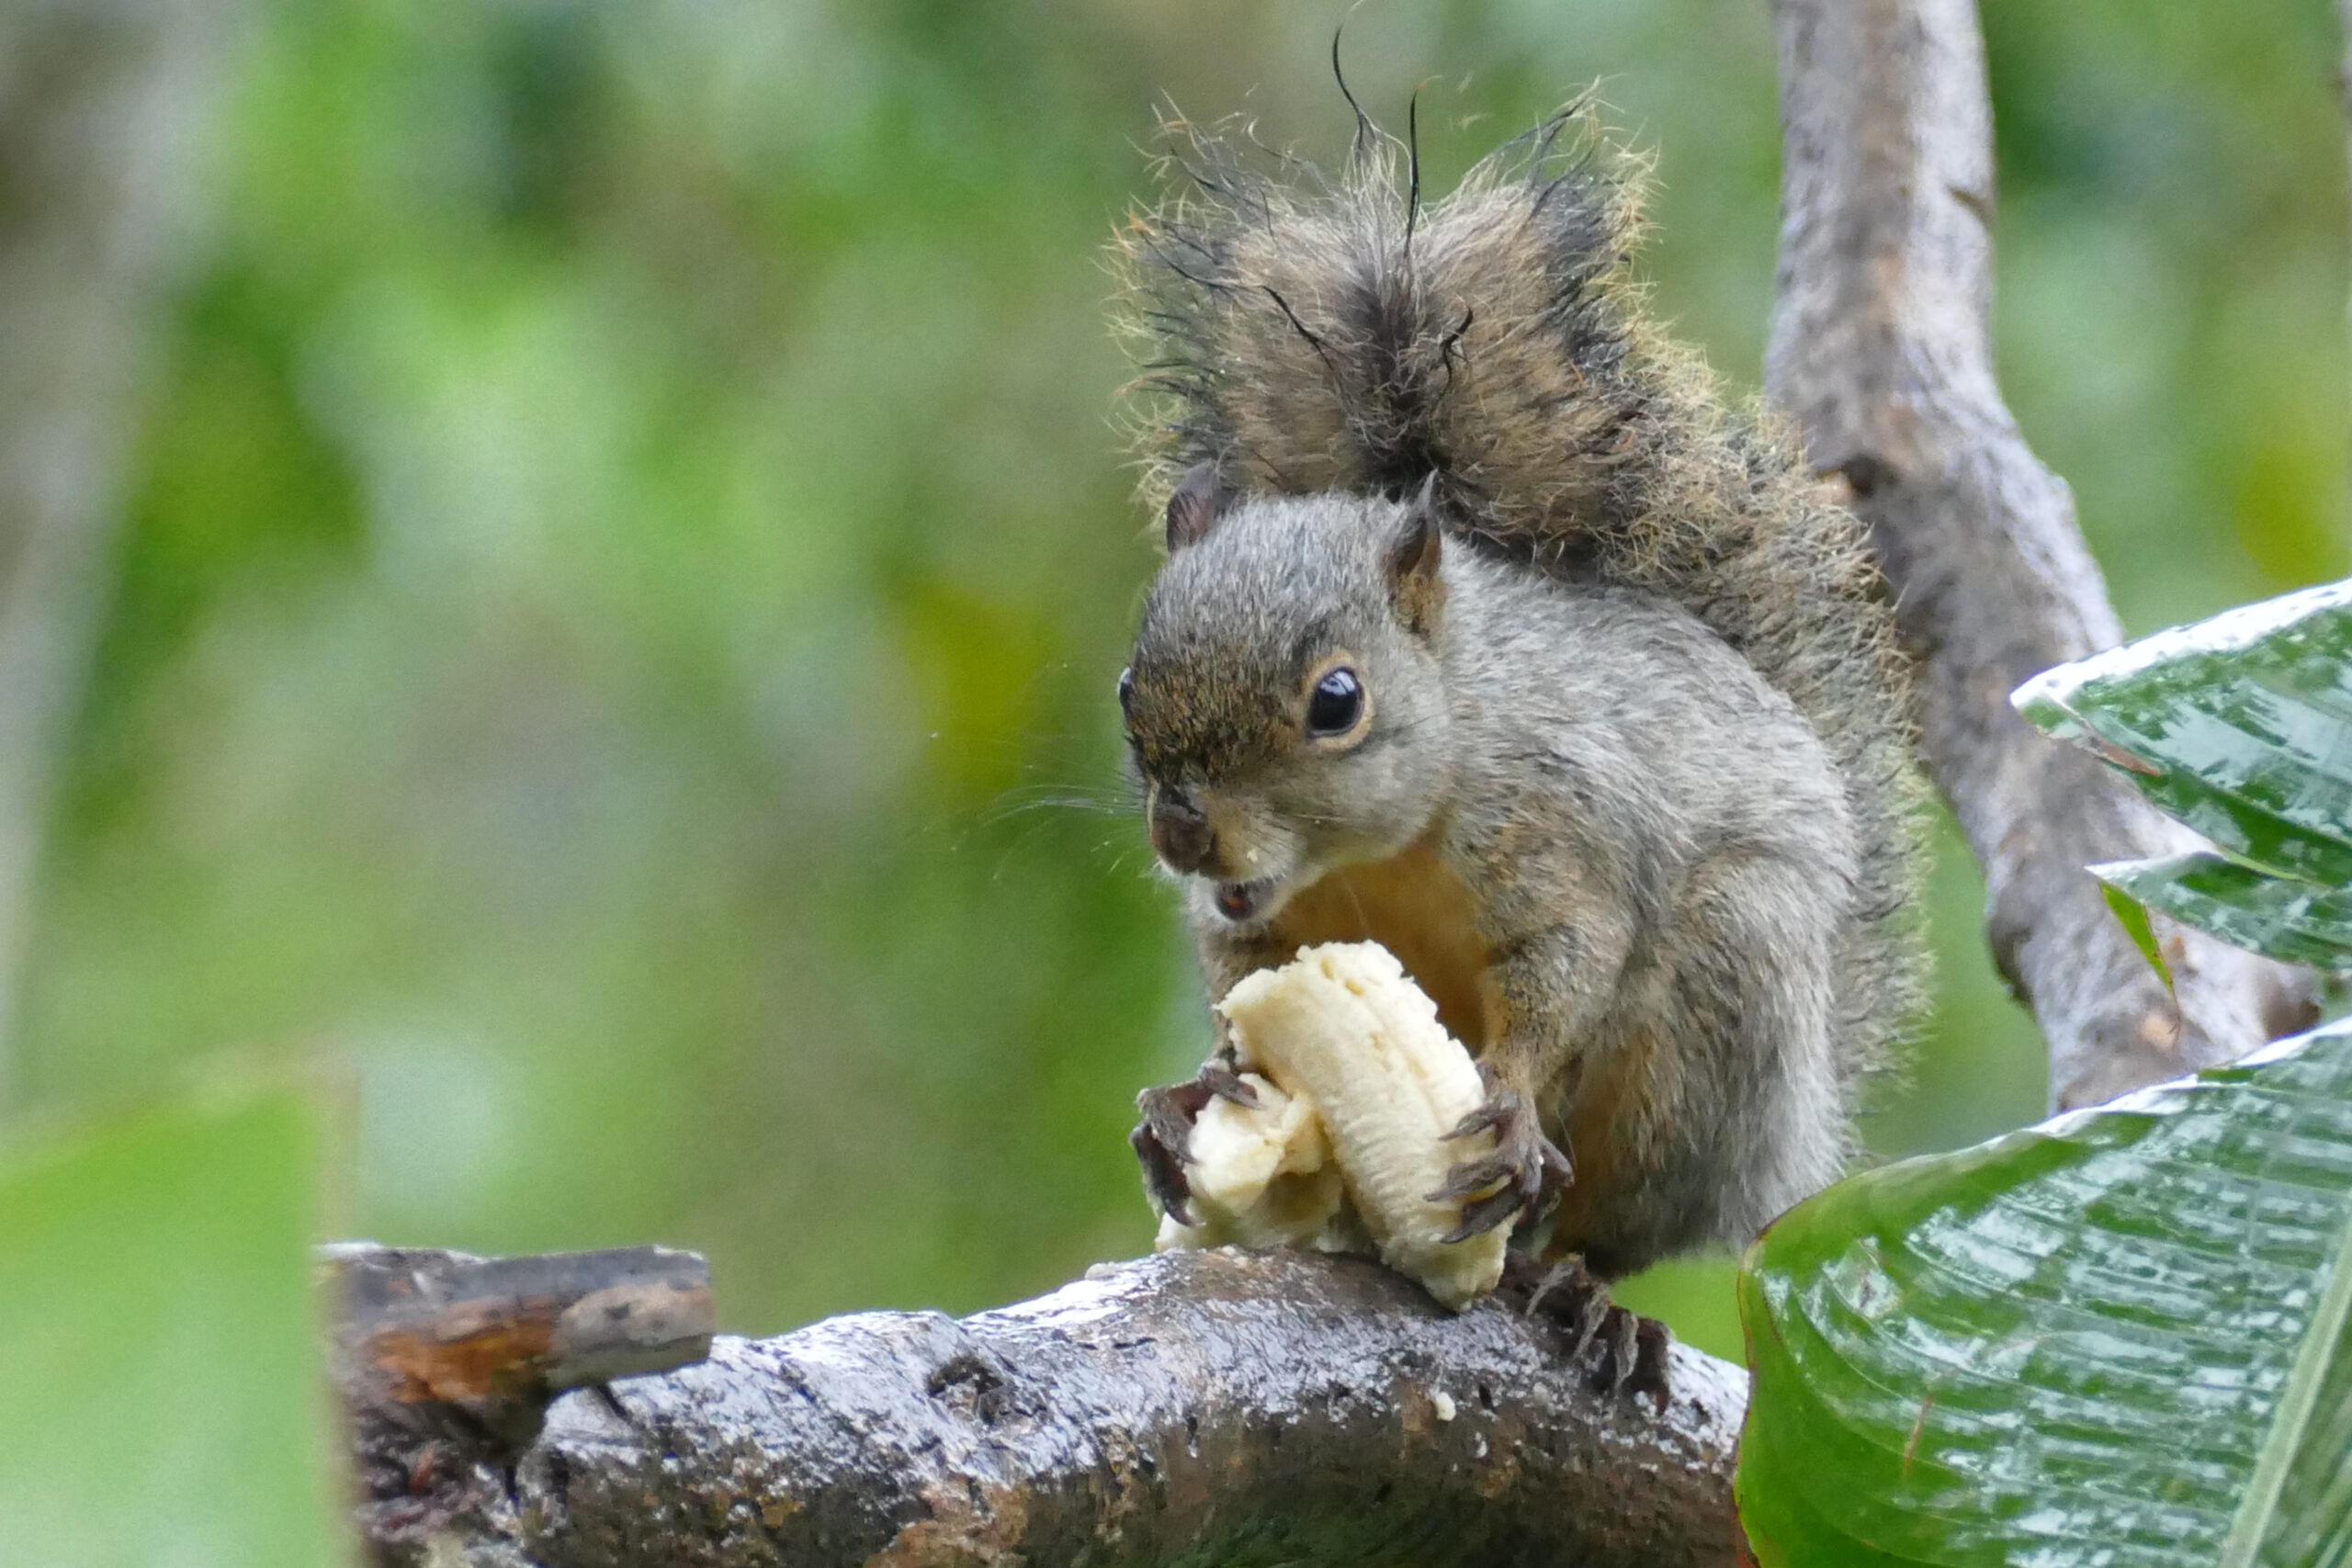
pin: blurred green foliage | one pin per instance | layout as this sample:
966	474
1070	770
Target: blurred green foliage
163	1398
629	554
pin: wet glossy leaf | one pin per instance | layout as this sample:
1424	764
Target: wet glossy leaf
2132	914
2123	1338
2284	917
161	1400
2241	725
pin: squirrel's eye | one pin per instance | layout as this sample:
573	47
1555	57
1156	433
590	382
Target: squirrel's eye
1126	691
1336	704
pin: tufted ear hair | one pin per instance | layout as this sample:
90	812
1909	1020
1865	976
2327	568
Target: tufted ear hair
1413	557
1201	498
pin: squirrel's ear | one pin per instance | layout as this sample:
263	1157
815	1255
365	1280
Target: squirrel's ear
1200	499
1413	561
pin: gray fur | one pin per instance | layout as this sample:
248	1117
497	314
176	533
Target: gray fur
1662	859
1341	335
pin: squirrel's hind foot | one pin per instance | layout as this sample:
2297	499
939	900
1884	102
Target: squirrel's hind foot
1628	1354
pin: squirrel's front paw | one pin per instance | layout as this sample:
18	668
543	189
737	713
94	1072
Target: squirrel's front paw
1526	1168
1159	1139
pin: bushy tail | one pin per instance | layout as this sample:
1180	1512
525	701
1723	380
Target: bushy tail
1313	333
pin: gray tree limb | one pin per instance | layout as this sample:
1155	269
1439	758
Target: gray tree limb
445	1364
1879	347
103	104
1203	1406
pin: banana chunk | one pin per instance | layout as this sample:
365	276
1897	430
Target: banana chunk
1261	1176
1344	1032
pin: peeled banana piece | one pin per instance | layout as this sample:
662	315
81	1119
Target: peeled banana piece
1351	1045
1262	1175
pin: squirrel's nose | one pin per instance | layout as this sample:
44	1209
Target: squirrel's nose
1181	832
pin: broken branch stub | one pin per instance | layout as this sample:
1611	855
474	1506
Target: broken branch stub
446	1364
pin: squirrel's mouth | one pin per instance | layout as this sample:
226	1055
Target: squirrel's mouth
1242	902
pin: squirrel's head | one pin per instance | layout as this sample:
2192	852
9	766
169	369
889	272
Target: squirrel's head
1285	707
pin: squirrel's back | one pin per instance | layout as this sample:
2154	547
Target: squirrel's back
1307	334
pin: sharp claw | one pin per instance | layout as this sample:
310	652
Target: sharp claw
1577	1291
1170	1133
1652	1342
1620	1337
1562	1280
1575	1302
1169	1113
1486	1119
1163	1176
1225	1083
1500	1113
1590	1326
1474	1177
1482	1215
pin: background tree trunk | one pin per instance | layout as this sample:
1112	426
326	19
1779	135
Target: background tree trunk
103	107
1880	346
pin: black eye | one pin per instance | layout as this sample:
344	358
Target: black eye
1336	704
1126	691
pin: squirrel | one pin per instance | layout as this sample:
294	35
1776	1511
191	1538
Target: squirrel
1491	631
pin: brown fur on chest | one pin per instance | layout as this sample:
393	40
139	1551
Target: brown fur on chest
1417	908
1421	910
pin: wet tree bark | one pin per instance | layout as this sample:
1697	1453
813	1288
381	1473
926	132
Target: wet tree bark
103	106
1879	347
1202	1407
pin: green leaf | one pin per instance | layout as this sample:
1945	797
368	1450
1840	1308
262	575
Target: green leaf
163	1400
2132	914
2240	725
2282	917
2123	1338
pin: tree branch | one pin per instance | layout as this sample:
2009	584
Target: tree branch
1879	347
1203	1406
445	1364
